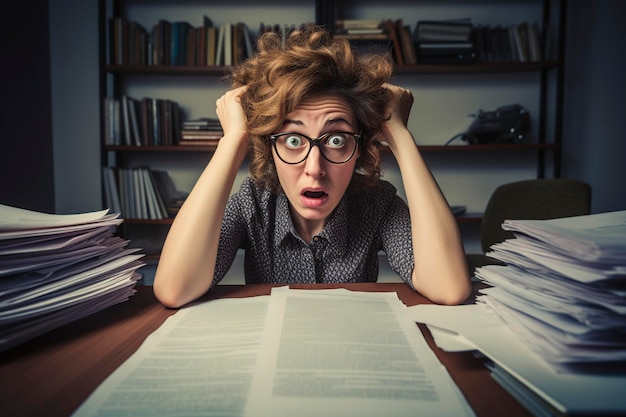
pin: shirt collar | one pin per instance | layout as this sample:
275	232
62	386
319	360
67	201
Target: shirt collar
335	231
283	227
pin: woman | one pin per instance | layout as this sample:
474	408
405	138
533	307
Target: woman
313	114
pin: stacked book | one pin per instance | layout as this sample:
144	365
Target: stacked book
358	27
444	41
379	37
55	269
365	35
205	131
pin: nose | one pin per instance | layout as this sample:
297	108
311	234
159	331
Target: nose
315	163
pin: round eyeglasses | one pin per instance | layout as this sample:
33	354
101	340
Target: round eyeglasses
335	147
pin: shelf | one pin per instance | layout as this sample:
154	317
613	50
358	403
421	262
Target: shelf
479	67
489	147
214	70
172	148
424	148
220	70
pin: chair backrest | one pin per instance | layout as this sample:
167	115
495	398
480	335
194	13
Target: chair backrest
536	199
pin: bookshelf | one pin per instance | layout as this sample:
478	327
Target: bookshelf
446	94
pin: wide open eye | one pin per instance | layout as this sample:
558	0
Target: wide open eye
336	140
294	141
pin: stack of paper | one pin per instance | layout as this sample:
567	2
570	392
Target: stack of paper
58	268
563	290
527	376
296	352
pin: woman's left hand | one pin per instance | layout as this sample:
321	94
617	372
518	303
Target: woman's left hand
398	111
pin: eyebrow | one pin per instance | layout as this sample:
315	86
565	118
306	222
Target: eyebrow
292	121
327	123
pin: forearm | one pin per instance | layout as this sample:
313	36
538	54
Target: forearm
440	271
187	262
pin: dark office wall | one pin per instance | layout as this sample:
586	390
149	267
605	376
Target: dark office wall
594	144
74	66
26	158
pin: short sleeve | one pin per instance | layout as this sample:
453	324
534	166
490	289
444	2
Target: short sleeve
232	237
396	239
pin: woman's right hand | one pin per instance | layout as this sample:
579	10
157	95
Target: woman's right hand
187	264
231	115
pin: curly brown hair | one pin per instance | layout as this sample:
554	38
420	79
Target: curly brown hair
282	74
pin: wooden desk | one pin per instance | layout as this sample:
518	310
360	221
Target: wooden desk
54	373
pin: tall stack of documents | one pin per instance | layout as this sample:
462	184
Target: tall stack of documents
563	294
55	269
563	290
552	321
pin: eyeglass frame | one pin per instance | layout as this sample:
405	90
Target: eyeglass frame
316	142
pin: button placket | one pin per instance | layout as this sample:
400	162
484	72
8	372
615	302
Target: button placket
317	249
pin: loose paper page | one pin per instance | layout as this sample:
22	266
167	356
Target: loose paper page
198	363
596	237
17	218
348	355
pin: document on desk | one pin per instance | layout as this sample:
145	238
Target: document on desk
200	362
296	352
344	354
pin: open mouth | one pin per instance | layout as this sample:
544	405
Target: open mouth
314	194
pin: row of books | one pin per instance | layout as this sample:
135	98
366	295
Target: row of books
141	193
516	43
430	41
141	122
178	43
447	41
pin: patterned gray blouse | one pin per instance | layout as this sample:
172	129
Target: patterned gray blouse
346	250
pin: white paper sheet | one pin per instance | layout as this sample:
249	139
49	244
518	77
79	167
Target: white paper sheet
348	355
17	218
314	353
200	363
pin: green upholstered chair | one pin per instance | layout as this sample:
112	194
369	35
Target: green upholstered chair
535	199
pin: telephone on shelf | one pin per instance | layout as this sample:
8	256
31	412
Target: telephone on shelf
506	124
